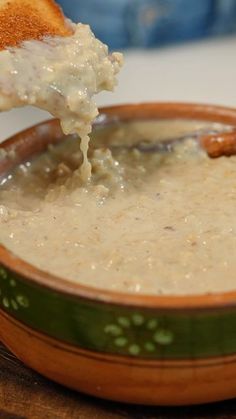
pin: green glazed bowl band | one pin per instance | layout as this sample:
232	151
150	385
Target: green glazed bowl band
146	333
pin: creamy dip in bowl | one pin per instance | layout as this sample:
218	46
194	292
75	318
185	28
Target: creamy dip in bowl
131	270
147	222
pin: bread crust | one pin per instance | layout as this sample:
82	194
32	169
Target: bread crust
21	20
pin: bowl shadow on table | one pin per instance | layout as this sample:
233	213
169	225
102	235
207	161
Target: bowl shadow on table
26	394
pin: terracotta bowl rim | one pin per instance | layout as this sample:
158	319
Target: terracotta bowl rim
33	275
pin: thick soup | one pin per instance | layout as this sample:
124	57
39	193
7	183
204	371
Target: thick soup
60	75
151	220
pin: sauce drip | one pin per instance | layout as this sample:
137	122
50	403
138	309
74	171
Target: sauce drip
60	75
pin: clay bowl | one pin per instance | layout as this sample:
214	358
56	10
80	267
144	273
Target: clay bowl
139	349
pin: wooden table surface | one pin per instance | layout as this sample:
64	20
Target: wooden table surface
25	394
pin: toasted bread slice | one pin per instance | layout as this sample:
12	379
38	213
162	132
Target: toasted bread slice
22	20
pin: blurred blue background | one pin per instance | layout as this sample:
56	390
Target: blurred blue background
150	23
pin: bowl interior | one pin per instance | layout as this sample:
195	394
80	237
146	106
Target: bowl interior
36	140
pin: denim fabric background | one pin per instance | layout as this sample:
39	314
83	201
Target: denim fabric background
148	23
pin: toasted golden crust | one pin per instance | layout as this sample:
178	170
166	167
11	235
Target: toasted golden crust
22	20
